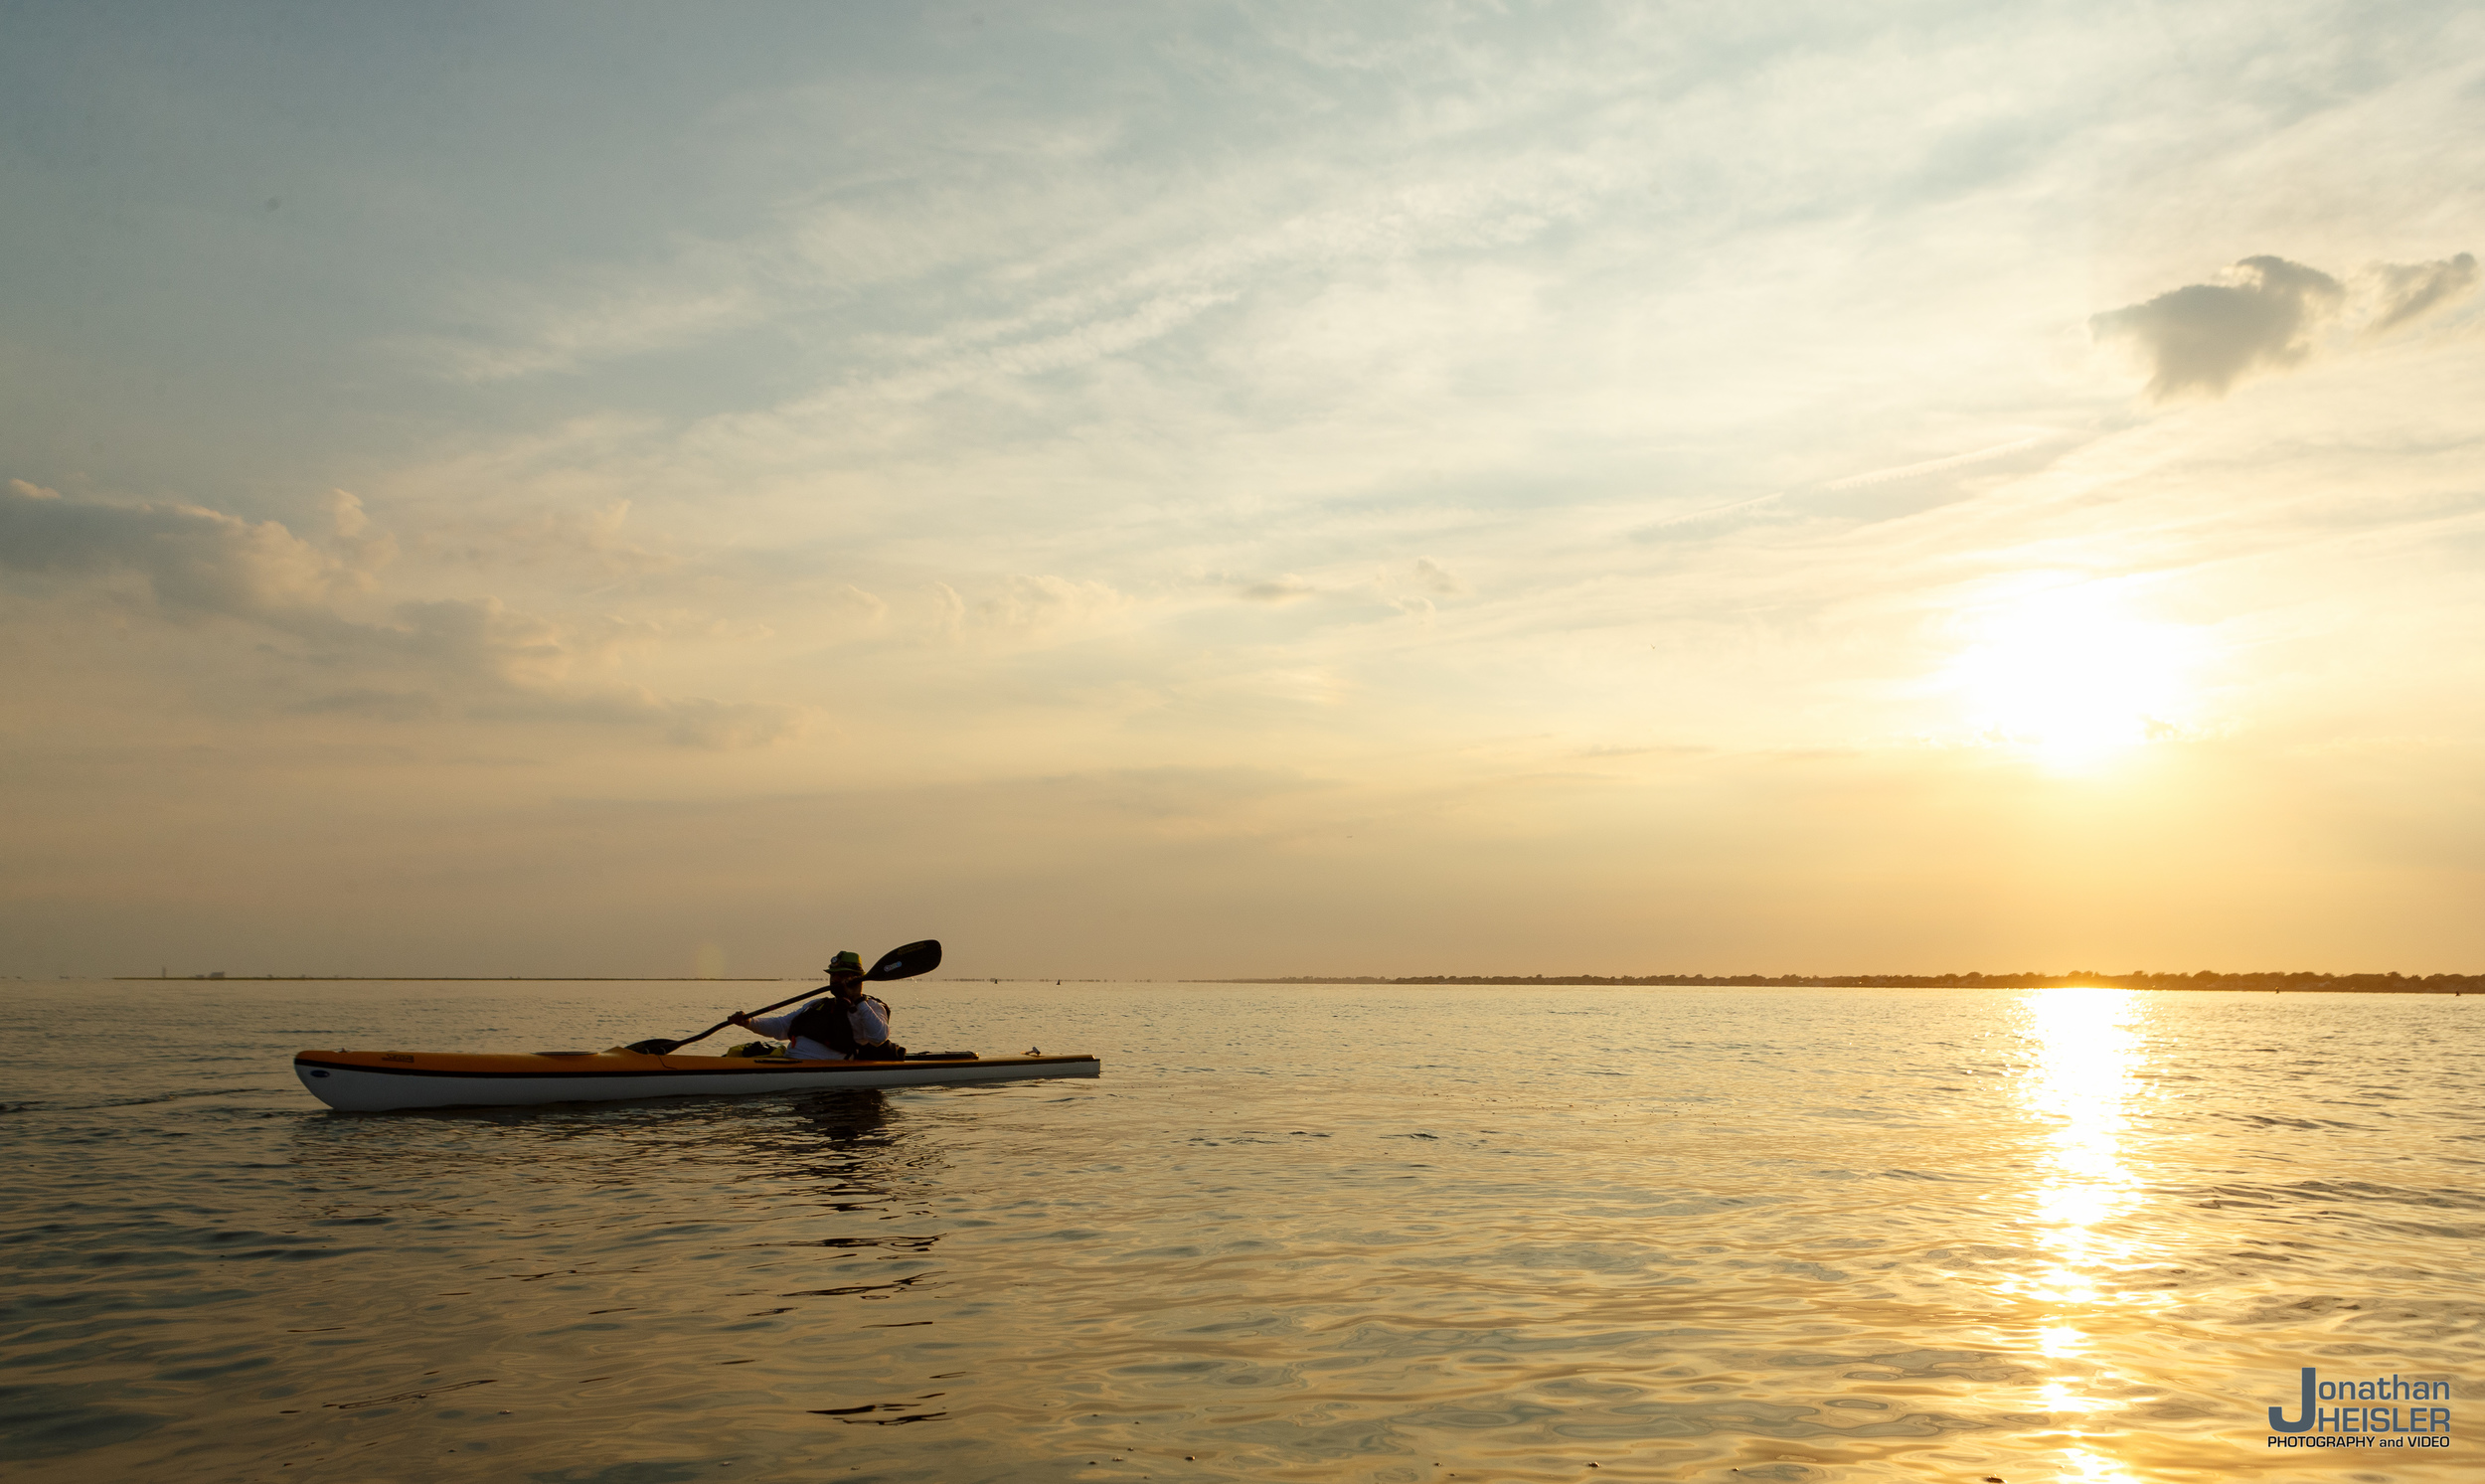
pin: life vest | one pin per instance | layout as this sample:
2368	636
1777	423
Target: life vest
826	1022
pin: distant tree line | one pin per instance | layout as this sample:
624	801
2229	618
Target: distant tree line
2301	979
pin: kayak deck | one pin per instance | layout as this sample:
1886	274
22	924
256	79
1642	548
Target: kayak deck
388	1082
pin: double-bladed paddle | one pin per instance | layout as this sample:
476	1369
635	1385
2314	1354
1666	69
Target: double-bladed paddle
897	963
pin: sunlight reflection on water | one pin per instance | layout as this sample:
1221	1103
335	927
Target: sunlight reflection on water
2086	1076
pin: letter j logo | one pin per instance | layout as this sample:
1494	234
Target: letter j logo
2277	1415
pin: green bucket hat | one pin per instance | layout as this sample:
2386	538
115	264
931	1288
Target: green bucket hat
846	963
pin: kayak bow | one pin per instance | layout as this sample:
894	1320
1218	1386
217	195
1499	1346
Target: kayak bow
384	1082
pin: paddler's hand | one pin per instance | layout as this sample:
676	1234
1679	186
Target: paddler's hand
739	1017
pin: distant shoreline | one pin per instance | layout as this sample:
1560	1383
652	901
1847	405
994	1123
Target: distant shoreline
2428	984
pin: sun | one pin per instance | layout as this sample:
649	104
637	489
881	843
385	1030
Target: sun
2069	673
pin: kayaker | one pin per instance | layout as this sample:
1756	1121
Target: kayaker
845	1025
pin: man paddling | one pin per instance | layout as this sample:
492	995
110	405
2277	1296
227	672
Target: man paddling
846	1024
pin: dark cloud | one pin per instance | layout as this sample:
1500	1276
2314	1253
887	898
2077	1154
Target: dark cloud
195	562
2412	290
2203	337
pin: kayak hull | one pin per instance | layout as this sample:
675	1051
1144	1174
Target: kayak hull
391	1082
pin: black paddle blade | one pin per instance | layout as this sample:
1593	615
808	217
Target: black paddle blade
653	1047
908	961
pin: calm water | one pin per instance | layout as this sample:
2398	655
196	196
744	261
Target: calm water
1292	1234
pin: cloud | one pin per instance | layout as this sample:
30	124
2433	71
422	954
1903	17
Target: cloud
695	722
1284	590
687	721
601	315
2203	337
590	538
195	562
2408	291
1435	578
868	611
1228	796
476	639
494	661
1936	465
1037	603
950	611
345	513
387	706
508	665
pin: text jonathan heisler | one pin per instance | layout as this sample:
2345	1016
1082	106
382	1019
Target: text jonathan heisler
2347	1425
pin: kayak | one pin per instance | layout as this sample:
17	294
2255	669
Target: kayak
385	1081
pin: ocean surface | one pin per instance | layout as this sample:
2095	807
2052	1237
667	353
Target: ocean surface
1294	1233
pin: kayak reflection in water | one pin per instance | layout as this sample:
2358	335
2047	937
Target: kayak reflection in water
849	1116
845	1025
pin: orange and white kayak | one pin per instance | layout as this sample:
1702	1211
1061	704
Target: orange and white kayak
385	1081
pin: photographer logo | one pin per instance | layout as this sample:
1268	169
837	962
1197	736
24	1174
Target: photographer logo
2381	1413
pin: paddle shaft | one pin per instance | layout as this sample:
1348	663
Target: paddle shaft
762	1010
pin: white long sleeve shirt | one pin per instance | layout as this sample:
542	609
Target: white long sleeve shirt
869	1017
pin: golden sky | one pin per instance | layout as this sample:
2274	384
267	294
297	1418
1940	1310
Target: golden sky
1145	491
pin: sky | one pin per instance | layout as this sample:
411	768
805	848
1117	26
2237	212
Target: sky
1188	490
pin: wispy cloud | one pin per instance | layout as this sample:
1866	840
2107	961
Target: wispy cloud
614	313
1284	590
2408	291
1046	603
1938	465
